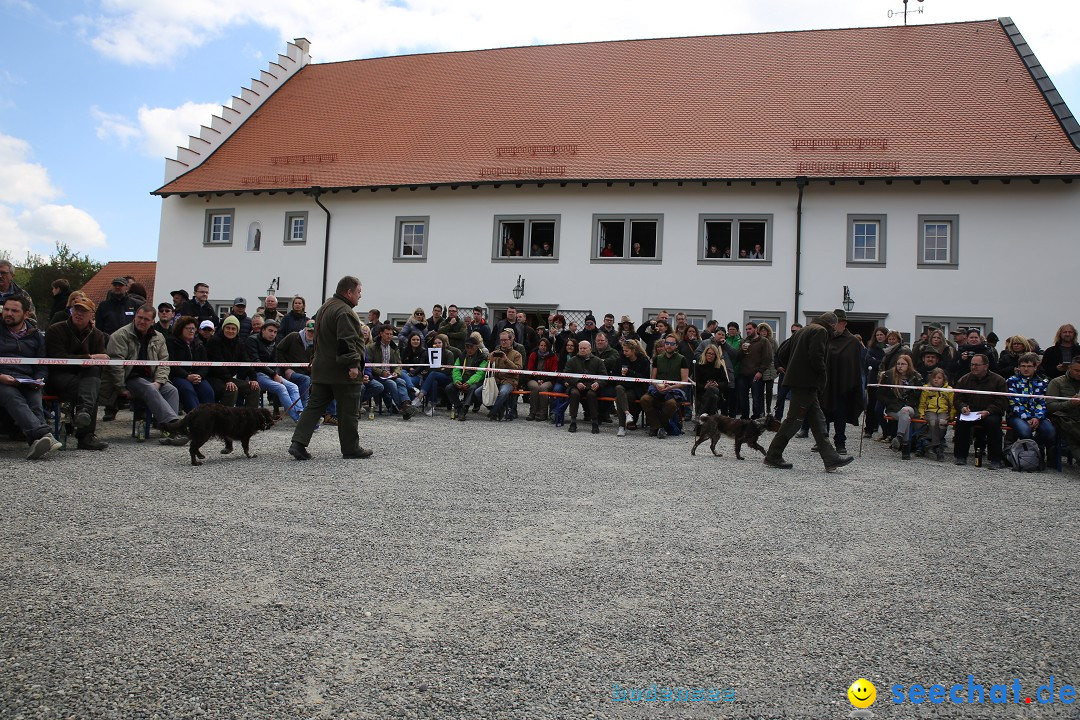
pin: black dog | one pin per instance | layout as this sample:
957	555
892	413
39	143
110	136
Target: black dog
743	431
227	423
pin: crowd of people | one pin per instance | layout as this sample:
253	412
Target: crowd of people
667	368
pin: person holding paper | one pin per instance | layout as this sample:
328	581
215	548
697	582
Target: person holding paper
20	385
980	411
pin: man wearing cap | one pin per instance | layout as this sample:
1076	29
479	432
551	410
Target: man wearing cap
588	333
80	385
166	318
239	311
199	306
844	401
20	385
806	373
117	309
336	373
148	383
233	382
206	330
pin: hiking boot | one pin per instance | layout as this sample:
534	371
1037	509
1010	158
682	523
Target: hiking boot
358	454
91	442
407	411
780	464
42	447
841	449
461	414
573	426
82	420
298	451
841	463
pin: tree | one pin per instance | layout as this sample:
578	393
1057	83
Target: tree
37	274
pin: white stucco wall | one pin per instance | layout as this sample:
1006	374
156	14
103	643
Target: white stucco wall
1019	235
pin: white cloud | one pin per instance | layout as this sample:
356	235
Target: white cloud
165	128
29	222
139	32
157	131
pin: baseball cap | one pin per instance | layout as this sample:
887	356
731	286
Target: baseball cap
207	324
240	301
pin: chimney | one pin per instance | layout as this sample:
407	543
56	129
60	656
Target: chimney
304	44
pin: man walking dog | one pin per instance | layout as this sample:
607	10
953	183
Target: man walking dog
336	371
806	374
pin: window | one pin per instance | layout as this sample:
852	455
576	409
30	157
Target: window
219	227
627	238
696	317
776	320
296	228
866	241
938	241
519	237
410	239
735	239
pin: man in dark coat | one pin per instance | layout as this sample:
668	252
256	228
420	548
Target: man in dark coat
843	400
337	368
806	375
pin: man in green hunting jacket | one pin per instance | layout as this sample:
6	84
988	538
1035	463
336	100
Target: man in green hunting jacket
336	368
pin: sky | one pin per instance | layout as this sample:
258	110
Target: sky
94	94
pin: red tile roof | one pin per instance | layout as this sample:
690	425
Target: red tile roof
947	100
100	285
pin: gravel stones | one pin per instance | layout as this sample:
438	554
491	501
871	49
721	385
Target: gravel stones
488	570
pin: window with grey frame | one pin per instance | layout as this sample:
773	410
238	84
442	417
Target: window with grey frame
411	238
633	238
865	240
939	241
218	227
734	238
526	237
296	227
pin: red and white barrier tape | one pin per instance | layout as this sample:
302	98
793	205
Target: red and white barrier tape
970	392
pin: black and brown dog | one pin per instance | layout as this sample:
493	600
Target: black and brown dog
227	423
743	431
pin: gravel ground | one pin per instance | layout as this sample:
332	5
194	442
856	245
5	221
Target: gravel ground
482	570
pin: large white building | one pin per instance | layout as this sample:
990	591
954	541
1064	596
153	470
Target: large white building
927	169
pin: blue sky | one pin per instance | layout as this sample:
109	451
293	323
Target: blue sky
94	93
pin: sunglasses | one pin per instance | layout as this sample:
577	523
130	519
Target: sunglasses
668	342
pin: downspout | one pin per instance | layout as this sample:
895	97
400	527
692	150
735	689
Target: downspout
801	182
315	193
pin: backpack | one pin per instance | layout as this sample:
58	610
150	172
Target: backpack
1024	456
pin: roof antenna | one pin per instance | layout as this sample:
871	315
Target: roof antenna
918	10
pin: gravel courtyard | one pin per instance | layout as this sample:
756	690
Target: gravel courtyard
510	570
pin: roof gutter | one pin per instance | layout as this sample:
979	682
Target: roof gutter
315	193
801	182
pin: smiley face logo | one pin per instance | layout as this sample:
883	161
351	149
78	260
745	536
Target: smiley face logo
862	693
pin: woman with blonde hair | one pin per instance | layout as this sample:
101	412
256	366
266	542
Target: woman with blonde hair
711	381
1009	358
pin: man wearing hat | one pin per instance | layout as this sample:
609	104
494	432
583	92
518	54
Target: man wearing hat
239	311
117	309
179	297
80	385
806	373
166	318
929	360
588	333
843	400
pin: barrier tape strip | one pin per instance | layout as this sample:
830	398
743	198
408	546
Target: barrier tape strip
970	392
220	363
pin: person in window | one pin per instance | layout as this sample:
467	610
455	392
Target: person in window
743	255
545	249
1027	415
713	251
608	250
635	250
510	248
758	253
